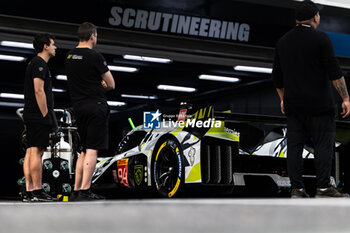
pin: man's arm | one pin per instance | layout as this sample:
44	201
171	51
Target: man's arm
280	92
40	95
335	73
340	86
108	81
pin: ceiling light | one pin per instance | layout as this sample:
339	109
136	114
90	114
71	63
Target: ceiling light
123	68
139	96
176	88
11	58
58	90
116	103
218	78
17	44
12	104
254	69
12	96
149	59
61	77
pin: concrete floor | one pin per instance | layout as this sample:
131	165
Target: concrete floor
178	215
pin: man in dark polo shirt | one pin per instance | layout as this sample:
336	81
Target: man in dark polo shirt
88	79
38	110
304	68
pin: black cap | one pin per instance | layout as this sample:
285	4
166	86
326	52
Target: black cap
307	10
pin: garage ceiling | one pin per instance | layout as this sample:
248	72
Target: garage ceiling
190	58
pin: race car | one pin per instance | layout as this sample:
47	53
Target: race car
195	150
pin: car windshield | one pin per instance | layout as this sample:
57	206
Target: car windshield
130	141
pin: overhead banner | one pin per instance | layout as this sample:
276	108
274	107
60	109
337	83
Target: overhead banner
223	21
154	21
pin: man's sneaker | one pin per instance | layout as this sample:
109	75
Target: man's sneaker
331	191
73	195
88	196
26	196
299	193
41	196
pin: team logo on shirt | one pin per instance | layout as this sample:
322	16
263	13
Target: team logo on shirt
105	63
77	57
41	68
74	57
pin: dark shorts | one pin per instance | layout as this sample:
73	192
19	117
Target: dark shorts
38	134
92	121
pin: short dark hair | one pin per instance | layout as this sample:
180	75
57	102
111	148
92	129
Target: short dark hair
85	31
40	40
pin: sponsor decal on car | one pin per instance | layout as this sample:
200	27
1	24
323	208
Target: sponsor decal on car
122	167
138	174
182	115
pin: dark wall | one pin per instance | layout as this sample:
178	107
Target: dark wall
258	98
261	99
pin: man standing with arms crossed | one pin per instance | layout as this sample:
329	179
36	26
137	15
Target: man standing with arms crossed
88	79
37	115
304	67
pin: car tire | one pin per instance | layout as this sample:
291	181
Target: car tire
168	168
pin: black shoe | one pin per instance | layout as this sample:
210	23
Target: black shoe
41	196
26	196
87	195
331	191
73	196
299	193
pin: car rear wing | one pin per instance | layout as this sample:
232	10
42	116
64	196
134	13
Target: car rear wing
342	126
267	119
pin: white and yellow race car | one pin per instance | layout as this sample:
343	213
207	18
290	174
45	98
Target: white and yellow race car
198	149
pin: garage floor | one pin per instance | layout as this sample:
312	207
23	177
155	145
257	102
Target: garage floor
179	215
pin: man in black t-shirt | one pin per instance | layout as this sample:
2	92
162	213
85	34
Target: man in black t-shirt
304	67
37	114
88	79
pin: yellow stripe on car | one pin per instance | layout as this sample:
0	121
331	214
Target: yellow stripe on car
221	132
103	161
281	154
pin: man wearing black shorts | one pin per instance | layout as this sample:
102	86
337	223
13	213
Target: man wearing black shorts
38	107
88	79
